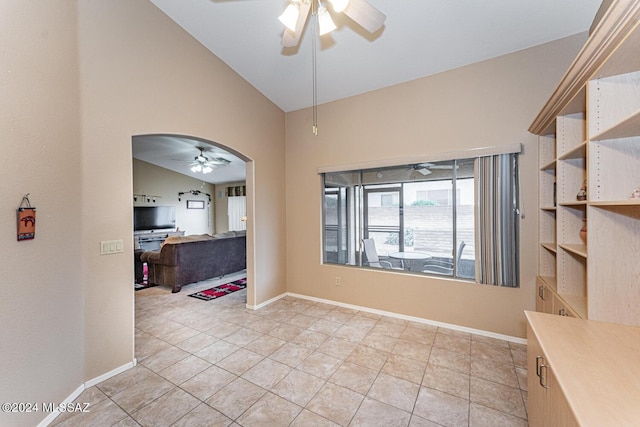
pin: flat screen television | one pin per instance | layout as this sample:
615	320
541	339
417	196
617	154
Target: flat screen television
154	217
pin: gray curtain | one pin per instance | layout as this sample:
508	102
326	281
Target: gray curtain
497	220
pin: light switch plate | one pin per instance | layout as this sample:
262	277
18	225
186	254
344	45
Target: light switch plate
108	247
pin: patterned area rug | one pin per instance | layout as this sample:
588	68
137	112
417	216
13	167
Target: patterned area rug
220	291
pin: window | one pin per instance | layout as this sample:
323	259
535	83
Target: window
429	218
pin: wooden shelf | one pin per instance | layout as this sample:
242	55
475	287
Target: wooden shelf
550	247
551	166
574	203
579	152
614	168
549	208
614	203
580	250
627	128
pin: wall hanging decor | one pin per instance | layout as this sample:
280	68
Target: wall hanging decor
149	198
195	193
26	220
195	204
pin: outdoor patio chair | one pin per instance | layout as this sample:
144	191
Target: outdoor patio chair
373	260
443	266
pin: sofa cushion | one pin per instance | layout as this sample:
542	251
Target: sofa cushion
181	239
225	235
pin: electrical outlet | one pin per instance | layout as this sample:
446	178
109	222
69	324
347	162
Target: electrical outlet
338	282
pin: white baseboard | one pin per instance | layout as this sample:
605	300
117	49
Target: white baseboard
52	416
266	303
110	374
73	396
411	318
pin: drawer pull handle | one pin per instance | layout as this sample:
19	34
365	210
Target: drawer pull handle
541	292
543	377
538	365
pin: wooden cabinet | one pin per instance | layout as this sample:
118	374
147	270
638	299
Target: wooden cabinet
580	371
548	300
547	403
538	407
589	132
571	378
545	297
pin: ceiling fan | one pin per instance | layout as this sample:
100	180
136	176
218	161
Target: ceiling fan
202	163
295	17
425	168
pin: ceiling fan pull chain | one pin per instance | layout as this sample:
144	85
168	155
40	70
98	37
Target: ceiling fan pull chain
314	60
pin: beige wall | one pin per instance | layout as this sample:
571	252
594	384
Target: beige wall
74	93
153	180
150	77
41	313
222	205
486	104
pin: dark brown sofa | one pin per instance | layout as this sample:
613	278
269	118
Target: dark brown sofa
189	259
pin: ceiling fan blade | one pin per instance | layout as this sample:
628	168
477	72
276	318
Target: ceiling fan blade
218	161
291	38
365	15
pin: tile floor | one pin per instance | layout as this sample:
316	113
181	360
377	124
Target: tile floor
302	363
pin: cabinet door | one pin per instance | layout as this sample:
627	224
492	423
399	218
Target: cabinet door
558	411
544	299
547	405
537	395
561	309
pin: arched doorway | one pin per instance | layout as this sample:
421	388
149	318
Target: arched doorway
165	166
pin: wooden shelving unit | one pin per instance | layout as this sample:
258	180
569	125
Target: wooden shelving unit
590	131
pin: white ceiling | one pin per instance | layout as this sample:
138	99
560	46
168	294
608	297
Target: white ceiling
420	38
177	154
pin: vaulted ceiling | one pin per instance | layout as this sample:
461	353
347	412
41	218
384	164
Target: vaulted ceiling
419	38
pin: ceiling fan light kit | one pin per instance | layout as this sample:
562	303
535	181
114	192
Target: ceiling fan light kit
200	168
339	5
325	23
289	17
296	13
295	17
202	163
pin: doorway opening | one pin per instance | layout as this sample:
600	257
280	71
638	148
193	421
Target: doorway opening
203	190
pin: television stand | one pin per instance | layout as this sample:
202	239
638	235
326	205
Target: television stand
152	240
